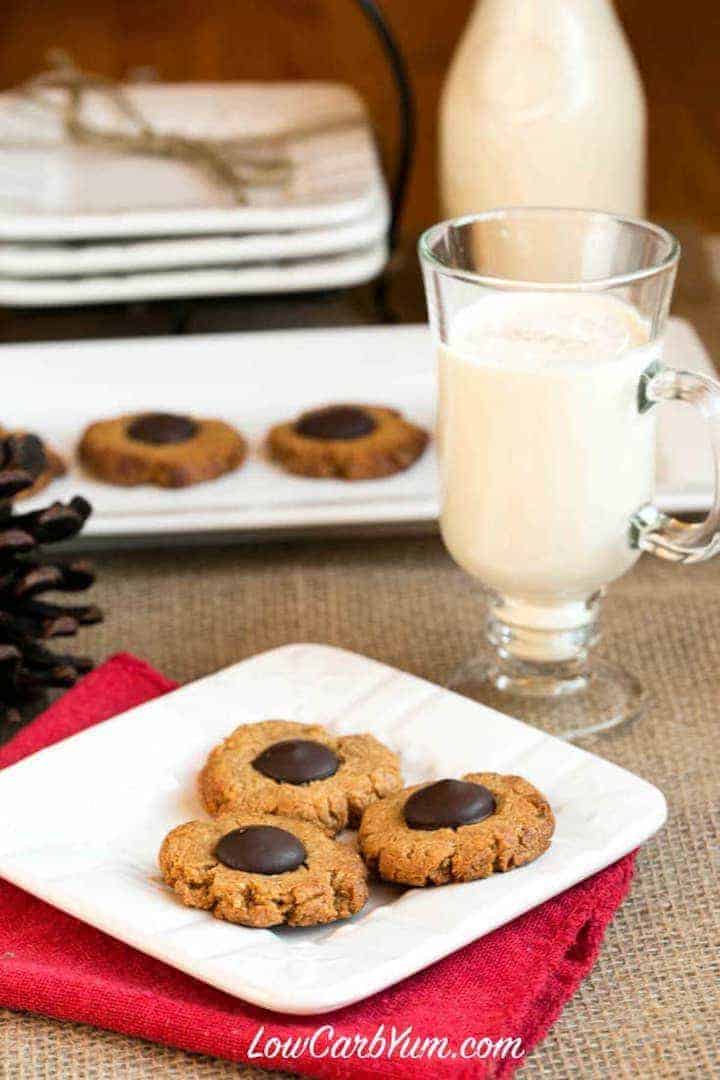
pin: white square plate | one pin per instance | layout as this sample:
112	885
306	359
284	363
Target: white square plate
254	380
138	775
70	260
291	276
54	190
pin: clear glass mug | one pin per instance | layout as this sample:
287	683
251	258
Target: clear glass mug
549	324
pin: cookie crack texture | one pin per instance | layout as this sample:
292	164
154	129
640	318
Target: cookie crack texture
443	872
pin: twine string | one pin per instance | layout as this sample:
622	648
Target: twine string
236	163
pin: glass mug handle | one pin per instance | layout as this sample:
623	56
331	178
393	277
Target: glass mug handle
650	529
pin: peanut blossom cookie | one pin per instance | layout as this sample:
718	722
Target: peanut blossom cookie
164	449
352	442
456	830
39	459
300	770
260	870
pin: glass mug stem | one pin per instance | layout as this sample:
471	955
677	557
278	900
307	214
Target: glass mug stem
541	651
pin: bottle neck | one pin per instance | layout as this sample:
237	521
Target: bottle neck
524	14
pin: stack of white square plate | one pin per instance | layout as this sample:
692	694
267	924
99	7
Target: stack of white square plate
86	225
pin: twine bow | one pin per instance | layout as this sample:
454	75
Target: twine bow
237	164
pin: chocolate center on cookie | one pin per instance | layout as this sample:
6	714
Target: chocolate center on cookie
335	422
297	761
261	849
161	429
448	804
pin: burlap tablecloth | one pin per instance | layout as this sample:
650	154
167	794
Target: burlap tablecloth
651	1006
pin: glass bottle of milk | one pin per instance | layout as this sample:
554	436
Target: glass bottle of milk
543	106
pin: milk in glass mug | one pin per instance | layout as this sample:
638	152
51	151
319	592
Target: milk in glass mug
548	325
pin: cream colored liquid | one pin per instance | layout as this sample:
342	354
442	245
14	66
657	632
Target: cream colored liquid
544	453
543	106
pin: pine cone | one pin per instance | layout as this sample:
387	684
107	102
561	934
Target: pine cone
28	669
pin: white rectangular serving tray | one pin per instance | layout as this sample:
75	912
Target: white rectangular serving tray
258	379
138	772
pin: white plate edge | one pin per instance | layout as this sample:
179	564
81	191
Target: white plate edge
308	1002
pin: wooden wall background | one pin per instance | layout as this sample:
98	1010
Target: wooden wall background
677	45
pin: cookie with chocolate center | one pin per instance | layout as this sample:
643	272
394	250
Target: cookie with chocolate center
300	771
349	442
263	870
456	830
40	460
165	449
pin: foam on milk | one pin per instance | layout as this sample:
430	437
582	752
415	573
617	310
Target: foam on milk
542	329
544	453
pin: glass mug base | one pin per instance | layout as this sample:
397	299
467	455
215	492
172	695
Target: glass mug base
540	671
569	700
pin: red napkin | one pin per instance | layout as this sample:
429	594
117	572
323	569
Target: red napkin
510	985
